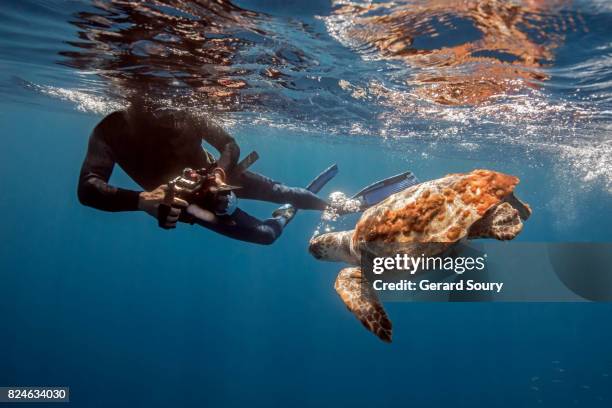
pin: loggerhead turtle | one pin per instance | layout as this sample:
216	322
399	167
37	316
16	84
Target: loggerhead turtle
427	219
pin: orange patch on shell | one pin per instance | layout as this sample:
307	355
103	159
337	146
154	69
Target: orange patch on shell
480	189
484	188
414	217
453	233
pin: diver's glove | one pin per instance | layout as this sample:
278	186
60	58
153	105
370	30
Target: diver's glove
227	204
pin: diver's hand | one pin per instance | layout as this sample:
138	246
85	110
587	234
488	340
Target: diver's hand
149	202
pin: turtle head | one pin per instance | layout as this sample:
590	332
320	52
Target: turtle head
334	247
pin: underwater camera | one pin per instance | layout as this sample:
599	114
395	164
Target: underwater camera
205	188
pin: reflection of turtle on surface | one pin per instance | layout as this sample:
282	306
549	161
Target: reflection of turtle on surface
428	218
463	53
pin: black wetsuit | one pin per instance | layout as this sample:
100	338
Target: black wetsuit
153	147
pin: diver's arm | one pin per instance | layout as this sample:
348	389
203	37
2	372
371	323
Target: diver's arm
223	142
94	190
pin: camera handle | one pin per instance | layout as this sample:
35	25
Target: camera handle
164	208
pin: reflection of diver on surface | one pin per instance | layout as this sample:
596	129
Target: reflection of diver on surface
154	146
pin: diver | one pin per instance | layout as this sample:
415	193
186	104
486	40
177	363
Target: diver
153	146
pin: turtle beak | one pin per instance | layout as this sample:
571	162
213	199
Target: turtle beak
333	246
315	247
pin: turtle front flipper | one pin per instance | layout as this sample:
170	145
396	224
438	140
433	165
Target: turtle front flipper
363	302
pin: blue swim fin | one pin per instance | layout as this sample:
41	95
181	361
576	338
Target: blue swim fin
322	179
376	192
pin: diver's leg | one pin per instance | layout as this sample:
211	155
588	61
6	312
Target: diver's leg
240	225
258	187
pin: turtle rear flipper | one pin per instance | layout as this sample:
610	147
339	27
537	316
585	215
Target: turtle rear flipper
503	222
360	298
523	208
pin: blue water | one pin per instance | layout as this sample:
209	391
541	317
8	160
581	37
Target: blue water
126	314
